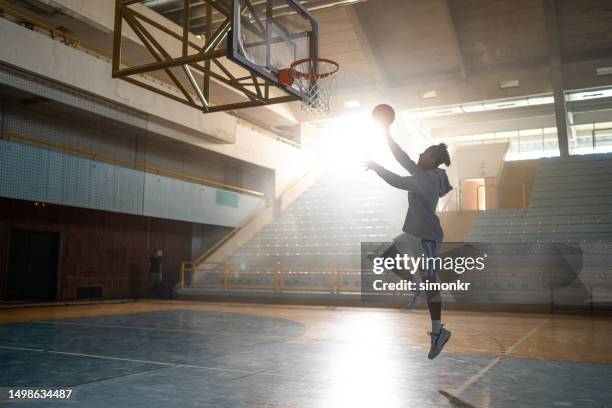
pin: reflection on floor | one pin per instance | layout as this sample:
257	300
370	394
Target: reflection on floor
156	354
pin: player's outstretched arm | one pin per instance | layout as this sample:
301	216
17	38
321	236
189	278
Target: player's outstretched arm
401	156
403	183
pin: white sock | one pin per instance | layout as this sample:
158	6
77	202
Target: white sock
436	325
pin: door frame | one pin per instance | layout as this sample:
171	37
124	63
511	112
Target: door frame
59	278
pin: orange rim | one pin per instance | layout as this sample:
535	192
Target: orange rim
297	74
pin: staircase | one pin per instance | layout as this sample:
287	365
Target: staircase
313	248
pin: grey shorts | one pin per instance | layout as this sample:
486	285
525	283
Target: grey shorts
415	247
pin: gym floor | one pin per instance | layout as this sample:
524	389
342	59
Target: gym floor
187	354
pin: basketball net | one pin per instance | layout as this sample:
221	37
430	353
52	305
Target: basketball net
314	79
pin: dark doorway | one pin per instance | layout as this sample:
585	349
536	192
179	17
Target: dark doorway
32	266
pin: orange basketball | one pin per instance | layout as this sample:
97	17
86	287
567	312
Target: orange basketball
383	115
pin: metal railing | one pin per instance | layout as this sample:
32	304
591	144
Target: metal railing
6	135
227	278
202	257
55	33
449	198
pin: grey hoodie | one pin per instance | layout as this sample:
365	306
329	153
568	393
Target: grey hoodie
424	187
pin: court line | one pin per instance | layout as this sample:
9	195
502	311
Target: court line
470	381
131	360
100	379
113	326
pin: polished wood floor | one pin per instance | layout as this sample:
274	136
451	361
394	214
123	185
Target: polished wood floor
548	337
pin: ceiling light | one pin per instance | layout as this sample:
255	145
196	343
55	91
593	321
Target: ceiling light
428	95
595	94
540	100
442	112
505	104
511	83
604	71
477	107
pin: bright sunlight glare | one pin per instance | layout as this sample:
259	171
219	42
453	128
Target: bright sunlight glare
350	141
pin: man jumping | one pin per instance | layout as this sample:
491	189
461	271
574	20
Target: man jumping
425	185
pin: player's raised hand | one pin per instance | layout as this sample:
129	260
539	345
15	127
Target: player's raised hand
371	165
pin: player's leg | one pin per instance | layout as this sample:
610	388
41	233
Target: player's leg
439	335
392	252
406	244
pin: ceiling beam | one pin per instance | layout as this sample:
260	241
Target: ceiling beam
450	18
365	43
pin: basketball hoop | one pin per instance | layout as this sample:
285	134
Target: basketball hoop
314	78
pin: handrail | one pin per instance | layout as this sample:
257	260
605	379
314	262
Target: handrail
79	42
448	200
301	179
275	269
55	32
200	259
145	167
478	196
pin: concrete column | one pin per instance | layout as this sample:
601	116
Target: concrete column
560	111
556	75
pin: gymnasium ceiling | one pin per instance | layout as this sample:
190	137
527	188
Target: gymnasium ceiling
419	54
463	49
406	51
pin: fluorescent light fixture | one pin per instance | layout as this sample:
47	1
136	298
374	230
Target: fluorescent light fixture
601	71
506	104
540	100
442	111
428	95
475	107
352	104
489	106
595	94
511	83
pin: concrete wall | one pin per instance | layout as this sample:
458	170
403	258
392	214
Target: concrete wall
516	182
477	161
472	162
44	56
51	59
35	173
100	14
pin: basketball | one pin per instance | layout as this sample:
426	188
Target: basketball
383	115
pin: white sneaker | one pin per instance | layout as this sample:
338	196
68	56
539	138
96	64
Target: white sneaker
437	342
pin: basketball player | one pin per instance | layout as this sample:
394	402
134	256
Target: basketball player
425	185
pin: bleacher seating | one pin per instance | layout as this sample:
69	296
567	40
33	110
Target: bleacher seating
321	233
571	204
318	237
324	228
